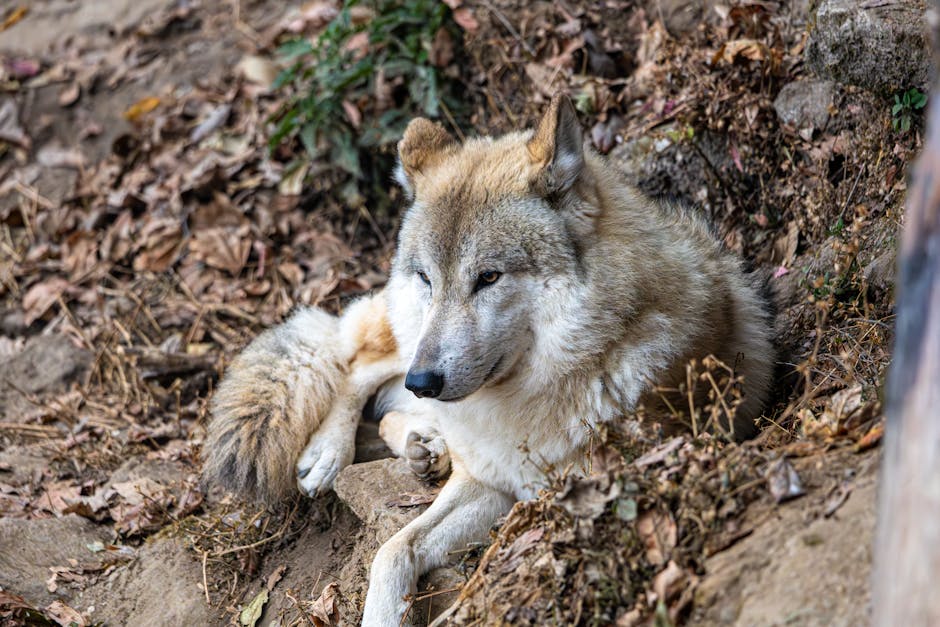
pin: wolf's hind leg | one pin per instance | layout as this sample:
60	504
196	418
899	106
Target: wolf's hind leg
461	513
414	437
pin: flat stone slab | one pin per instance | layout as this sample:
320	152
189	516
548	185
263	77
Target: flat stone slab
384	494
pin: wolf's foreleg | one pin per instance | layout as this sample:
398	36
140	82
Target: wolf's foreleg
462	513
413	435
332	446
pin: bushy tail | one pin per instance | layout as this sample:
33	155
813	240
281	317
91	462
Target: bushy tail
271	400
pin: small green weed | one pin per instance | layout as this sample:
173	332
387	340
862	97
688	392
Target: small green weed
678	135
904	106
354	89
837	228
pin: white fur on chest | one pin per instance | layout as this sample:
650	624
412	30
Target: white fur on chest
510	441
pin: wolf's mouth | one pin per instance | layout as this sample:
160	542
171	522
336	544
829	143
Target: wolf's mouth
486	379
493	370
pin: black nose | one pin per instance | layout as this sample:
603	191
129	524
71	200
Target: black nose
426	384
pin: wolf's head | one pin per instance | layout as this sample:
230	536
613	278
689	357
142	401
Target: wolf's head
494	229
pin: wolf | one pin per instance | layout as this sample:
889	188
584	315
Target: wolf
534	296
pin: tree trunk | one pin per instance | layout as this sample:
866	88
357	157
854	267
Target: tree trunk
906	587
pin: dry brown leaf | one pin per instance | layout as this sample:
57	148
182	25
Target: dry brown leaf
511	557
606	460
465	19
69	95
293	184
358	44
414	499
659	534
352	114
275	577
258	70
587	498
442	48
870	439
783	481
80	254
138	519
40	297
291	272
313	15
140	490
117	239
785	246
161	241
141	108
15	16
10	128
669	581
833	420
543	78
746	48
57	496
10	601
222	248
324	610
65	615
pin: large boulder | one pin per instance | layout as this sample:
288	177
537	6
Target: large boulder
881	46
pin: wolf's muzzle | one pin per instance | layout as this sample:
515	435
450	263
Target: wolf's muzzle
426	384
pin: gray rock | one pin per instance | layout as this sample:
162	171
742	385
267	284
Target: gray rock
805	104
29	548
20	465
376	493
161	586
47	364
881	46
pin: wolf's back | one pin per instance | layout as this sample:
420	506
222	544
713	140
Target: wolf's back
271	400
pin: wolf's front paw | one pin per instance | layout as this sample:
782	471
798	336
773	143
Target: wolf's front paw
427	455
321	461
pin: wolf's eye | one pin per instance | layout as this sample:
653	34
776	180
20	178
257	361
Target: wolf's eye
487	278
424	278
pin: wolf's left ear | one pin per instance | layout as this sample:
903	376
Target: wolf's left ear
422	145
557	147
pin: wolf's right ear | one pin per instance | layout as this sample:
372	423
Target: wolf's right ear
422	145
557	147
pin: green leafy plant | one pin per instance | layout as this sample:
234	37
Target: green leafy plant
904	106
354	89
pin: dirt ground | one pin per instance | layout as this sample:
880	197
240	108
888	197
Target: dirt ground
147	234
